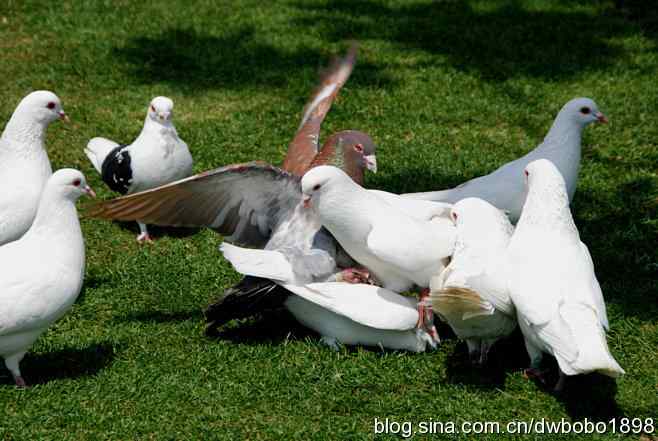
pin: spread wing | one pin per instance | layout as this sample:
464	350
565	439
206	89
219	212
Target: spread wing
304	146
368	305
244	202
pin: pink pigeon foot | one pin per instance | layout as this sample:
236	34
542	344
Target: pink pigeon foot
144	238
357	275
532	373
20	382
426	315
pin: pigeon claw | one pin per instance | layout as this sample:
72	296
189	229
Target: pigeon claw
357	275
535	374
20	382
144	238
426	316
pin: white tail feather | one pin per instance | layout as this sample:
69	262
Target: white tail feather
97	150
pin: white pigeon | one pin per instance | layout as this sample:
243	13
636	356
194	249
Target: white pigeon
471	294
559	304
398	248
343	313
24	163
561	145
157	157
42	272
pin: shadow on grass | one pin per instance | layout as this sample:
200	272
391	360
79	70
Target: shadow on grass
272	327
64	364
507	355
622	242
497	43
157	232
195	61
160	316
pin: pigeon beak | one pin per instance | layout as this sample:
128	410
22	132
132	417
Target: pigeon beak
64	117
601	117
306	200
89	191
371	163
163	116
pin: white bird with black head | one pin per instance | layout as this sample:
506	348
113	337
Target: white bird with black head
24	163
42	272
157	157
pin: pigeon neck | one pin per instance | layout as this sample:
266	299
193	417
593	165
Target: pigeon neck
346	162
548	209
25	131
55	213
563	133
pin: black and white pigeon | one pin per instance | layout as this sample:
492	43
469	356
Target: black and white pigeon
157	157
561	145
24	163
42	272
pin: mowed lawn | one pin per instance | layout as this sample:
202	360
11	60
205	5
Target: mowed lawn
449	90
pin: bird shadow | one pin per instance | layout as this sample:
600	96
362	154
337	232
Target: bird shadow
504	40
507	355
625	262
157	232
70	363
195	61
273	327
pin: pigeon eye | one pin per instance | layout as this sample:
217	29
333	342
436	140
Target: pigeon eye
50	105
316	187
454	216
152	108
359	148
77	183
585	110
526	173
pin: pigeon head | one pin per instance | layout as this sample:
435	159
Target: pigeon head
69	184
547	202
477	219
42	106
582	111
320	180
351	151
161	109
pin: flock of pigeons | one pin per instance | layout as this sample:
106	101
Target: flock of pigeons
308	237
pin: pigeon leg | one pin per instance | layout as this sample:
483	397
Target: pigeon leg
534	372
356	275
331	342
426	315
12	362
144	235
559	387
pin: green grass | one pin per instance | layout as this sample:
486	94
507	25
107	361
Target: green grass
448	89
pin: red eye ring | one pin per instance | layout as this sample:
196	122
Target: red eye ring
359	148
50	105
526	172
77	182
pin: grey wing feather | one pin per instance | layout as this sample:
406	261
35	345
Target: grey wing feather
244	202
